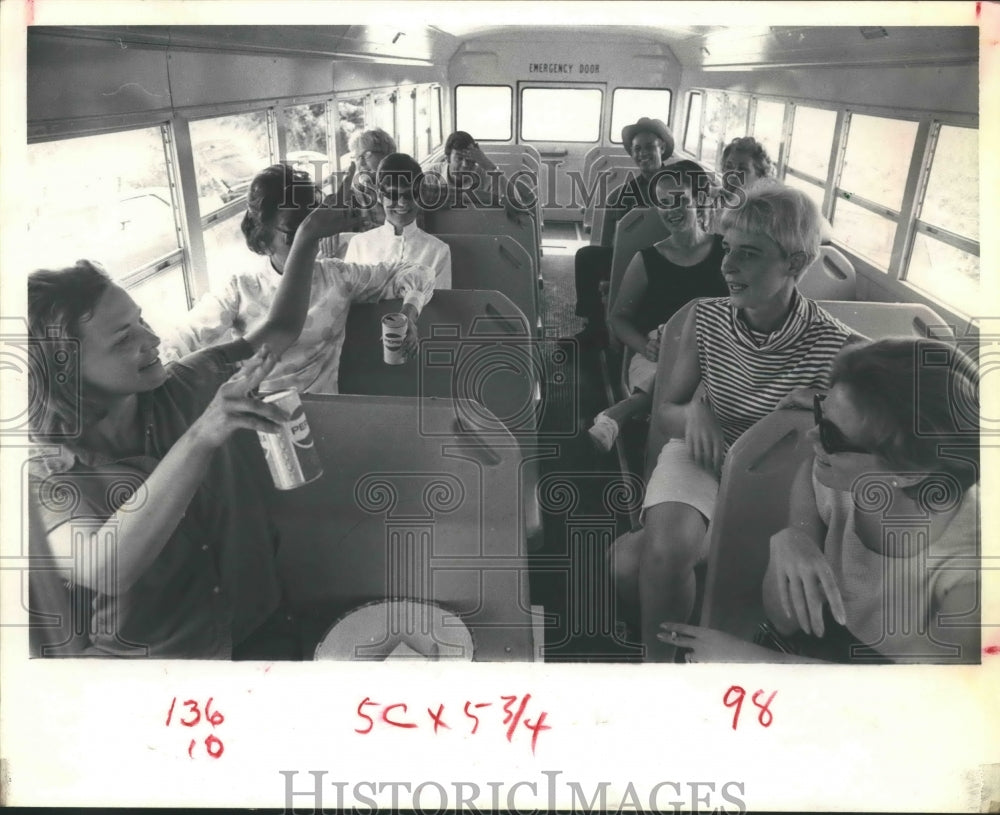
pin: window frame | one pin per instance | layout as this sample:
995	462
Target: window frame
778	160
908	223
181	254
715	161
513	126
611	111
687	122
535	86
898	217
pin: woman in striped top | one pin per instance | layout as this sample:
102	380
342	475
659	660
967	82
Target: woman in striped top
763	347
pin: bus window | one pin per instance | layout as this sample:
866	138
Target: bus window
404	121
813	191
714	128
737	109
951	200
436	130
423	123
162	298
306	139
631	104
228	152
944	259
870	190
351	117
484	111
561	114
107	198
768	123
384	113
808	162
692	124
225	248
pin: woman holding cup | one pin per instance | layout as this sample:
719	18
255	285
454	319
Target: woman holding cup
279	200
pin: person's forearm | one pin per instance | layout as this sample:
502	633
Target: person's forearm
411	311
672	419
142	527
802	513
291	302
626	331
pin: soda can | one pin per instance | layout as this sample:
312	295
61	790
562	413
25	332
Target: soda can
290	453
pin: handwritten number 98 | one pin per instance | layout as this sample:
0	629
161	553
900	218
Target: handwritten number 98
734	698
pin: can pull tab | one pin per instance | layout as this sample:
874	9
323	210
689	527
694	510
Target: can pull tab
487	454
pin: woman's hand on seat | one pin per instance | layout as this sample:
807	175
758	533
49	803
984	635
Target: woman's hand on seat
805	581
709	645
652	351
234	407
704	437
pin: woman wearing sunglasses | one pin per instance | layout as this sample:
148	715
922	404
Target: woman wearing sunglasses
878	562
399	238
279	200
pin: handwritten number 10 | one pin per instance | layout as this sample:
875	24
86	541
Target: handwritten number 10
734	698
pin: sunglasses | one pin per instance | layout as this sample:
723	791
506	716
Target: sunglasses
830	436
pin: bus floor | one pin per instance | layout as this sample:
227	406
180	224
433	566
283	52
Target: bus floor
586	497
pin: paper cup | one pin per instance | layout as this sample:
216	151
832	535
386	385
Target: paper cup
393	333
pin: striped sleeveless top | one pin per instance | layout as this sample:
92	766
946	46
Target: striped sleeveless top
746	372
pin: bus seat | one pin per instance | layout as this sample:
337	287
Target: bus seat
640	228
478	221
830	277
517	150
600	212
880	320
614	152
410	506
669	343
614	156
494	262
752	506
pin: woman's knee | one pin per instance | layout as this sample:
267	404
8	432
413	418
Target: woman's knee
675	534
625	555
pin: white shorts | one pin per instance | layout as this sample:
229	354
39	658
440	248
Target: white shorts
679	478
641	374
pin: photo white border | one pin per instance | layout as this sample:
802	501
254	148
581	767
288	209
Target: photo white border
843	738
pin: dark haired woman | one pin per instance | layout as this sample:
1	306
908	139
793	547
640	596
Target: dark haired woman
658	281
399	180
896	441
151	495
279	199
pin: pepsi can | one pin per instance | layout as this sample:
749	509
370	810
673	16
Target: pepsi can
290	453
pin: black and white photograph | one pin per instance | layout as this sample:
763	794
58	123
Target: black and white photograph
499	406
